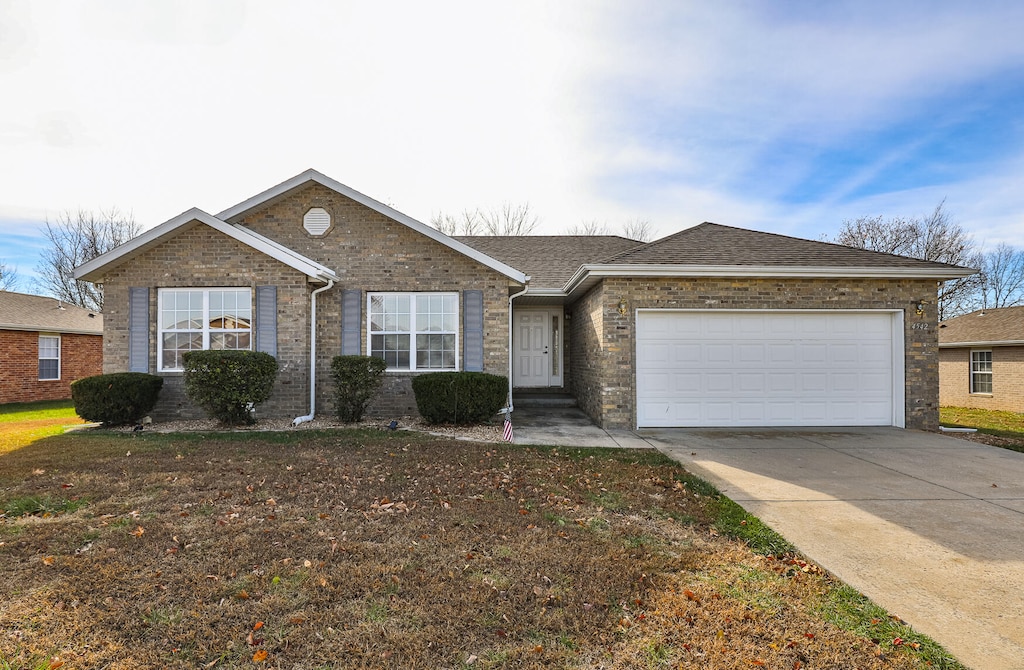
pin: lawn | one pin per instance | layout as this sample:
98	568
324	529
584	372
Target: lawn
373	549
998	428
21	423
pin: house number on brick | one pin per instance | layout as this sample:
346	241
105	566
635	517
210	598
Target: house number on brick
920	326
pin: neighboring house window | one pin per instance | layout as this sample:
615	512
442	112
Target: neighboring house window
981	372
49	357
414	331
194	319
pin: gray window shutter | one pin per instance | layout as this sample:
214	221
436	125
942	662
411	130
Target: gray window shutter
138	329
266	319
351	321
473	331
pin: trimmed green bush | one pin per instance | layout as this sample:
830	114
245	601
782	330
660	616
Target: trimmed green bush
356	380
459	397
116	399
229	384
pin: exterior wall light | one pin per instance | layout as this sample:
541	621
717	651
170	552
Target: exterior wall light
622	307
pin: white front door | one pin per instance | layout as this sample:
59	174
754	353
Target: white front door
536	342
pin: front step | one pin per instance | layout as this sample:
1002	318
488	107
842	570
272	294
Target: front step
542	399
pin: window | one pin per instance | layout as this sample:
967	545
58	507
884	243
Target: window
49	357
193	319
414	331
981	372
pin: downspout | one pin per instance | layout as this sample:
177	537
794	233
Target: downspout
508	405
312	354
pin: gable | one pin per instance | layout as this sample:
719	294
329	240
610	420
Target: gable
96	269
349	197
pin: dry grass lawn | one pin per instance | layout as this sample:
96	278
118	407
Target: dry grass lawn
370	549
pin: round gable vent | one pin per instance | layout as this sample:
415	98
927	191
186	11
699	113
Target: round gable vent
316	221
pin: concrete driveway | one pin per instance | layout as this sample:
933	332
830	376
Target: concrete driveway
928	526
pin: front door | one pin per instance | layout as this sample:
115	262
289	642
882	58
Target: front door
537	348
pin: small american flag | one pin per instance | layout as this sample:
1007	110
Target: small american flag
508	428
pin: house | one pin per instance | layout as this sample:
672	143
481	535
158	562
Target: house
981	360
712	326
44	346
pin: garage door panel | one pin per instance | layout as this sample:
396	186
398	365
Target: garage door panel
764	368
718	383
686	354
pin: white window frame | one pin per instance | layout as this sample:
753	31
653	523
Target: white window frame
413	327
49	336
205	327
974	371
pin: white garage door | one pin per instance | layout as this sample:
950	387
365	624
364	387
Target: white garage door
766	369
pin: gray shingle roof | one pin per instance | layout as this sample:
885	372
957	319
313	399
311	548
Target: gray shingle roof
987	325
20	311
713	244
550	260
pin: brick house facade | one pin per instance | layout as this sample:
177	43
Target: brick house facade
67	339
981	360
563	312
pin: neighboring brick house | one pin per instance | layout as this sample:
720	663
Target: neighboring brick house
712	326
981	360
44	346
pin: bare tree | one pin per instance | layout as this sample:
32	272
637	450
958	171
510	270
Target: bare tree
8	277
507	219
931	238
467	223
591	227
1001	278
634	229
638	229
75	239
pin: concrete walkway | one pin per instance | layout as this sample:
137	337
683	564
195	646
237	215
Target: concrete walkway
929	527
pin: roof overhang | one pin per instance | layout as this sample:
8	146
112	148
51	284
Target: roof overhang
236	213
94	270
48	329
993	343
588	275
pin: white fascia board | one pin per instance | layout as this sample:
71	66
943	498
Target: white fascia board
91	270
753	271
324	272
40	329
391	213
994	343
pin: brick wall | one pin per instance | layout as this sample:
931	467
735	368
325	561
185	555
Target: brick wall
81	356
201	257
1007	379
369	252
372	252
607	394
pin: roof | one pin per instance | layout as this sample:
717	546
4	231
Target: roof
227	222
93	270
237	213
712	244
550	260
20	311
714	250
986	327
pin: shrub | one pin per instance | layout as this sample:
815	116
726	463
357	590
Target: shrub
229	384
459	397
116	399
356	380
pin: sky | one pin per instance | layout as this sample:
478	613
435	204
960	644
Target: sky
787	117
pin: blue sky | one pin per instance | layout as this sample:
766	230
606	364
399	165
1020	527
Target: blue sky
779	116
